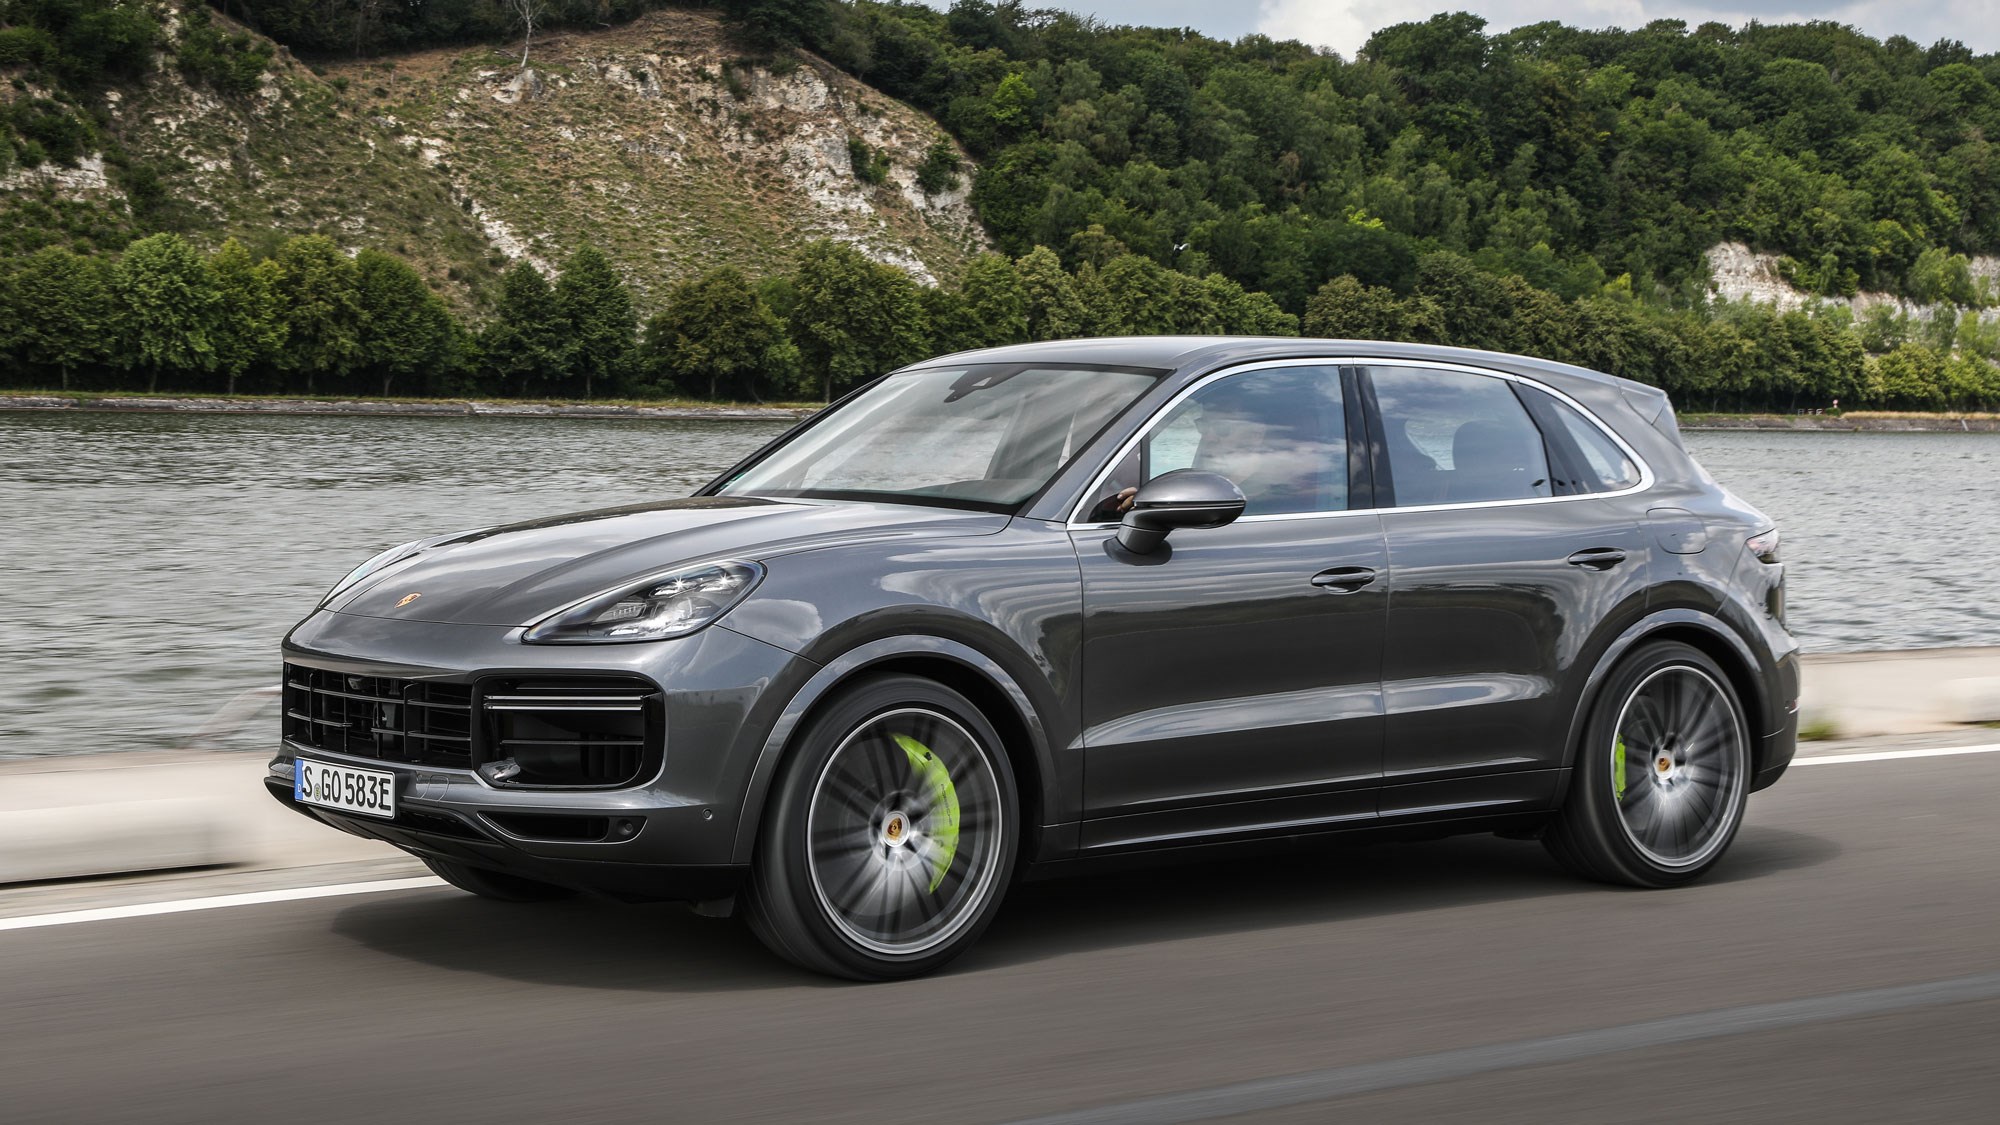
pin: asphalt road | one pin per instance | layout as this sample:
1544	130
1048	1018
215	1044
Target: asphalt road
1437	982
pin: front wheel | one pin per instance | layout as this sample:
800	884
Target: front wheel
890	836
1662	776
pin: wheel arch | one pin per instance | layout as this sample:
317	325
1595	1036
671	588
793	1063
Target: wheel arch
972	673
1702	631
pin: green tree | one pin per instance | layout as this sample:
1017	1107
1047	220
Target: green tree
1912	377
1051	302
525	345
320	305
771	25
996	302
853	319
56	312
1130	296
597	307
168	308
249	330
405	328
1013	104
717	338
1345	309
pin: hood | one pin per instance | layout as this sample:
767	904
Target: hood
519	573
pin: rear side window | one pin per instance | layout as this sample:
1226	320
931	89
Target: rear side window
1457	438
1584	458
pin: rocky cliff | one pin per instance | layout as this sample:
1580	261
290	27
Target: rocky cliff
652	141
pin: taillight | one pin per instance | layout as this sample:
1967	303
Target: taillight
1764	546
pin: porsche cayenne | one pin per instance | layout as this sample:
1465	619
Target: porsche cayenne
1015	611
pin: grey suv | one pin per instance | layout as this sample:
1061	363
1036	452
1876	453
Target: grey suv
1015	611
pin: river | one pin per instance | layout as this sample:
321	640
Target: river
149	563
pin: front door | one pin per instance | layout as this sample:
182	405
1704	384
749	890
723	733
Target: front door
1232	679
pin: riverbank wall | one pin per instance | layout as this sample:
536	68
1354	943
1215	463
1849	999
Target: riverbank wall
1878	422
394	408
77	816
1860	422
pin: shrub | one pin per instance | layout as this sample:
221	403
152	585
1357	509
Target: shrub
870	166
26	46
939	171
229	64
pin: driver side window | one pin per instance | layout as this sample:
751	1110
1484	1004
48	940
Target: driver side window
1279	434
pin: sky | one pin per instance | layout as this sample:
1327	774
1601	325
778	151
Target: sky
1345	24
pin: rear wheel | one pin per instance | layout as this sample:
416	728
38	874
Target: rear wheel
496	885
890	837
1662	776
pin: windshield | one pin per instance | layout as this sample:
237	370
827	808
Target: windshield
986	435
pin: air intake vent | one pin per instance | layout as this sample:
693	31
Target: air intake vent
420	722
571	733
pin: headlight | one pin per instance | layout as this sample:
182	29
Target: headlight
668	605
386	558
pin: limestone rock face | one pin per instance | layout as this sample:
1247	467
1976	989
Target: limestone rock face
1738	273
652	141
657	144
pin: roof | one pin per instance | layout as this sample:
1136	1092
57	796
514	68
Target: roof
1175	353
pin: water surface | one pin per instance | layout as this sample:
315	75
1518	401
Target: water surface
149	564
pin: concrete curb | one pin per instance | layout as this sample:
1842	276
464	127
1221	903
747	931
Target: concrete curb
110	814
115	838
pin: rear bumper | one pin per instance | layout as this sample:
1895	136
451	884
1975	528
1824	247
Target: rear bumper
1777	748
642	868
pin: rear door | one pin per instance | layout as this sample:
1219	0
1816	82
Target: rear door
1508	552
1232	679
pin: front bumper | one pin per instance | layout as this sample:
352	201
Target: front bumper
672	835
644	868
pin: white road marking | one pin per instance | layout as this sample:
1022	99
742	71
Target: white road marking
1889	755
216	902
295	894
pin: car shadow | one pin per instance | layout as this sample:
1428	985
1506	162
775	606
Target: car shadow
666	948
1317	884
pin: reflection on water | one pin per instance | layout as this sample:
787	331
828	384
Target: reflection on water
149	564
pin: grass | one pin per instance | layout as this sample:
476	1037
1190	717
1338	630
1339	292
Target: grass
1819	730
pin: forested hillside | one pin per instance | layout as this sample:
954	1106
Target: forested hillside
1548	189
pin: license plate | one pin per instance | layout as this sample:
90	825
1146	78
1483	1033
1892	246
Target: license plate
368	792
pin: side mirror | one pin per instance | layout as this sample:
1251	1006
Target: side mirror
1182	498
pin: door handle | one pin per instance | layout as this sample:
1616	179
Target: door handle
1344	579
1597	558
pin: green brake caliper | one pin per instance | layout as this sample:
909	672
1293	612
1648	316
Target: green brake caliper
943	817
1618	768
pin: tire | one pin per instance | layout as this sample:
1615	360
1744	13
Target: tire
496	885
890	835
1663	774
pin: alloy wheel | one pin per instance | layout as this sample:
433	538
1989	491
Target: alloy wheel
904	831
1678	765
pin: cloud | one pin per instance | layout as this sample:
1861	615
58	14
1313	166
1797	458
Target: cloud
1345	25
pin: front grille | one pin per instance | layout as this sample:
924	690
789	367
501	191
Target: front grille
421	722
562	732
570	732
